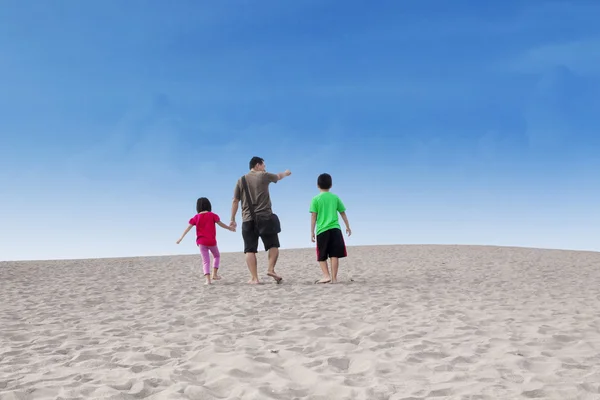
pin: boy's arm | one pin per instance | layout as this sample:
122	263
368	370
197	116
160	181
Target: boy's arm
342	210
222	225
313	223
345	218
184	233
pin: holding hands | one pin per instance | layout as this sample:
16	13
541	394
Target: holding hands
229	227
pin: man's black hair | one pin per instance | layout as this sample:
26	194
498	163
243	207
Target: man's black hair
254	161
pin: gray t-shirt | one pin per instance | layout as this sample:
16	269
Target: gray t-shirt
258	185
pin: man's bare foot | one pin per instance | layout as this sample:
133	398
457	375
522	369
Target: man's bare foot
273	275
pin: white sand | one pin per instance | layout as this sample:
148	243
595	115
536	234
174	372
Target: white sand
418	322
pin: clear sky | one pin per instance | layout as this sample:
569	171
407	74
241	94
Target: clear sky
461	122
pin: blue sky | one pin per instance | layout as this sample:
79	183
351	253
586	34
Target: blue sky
461	122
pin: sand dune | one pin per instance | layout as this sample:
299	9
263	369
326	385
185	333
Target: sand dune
416	322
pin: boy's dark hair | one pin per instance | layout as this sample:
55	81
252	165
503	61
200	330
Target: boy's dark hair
203	204
254	161
324	181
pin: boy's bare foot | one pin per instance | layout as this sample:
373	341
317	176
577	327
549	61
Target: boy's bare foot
273	275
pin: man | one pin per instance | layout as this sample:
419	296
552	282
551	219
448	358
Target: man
258	180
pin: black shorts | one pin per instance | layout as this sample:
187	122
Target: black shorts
330	243
250	236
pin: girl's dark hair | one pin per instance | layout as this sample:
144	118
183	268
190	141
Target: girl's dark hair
203	204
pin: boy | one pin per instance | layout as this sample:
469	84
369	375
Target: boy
324	209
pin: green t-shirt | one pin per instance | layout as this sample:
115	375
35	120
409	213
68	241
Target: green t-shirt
326	205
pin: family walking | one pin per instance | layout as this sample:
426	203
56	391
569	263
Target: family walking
259	221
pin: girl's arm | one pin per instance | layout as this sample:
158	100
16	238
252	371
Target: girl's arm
222	225
184	233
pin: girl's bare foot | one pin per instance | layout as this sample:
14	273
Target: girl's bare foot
254	282
215	277
207	282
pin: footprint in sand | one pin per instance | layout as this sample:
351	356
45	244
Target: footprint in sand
123	386
198	392
535	394
320	332
144	388
313	364
462	360
565	338
221	388
269	392
436	355
357	380
136	369
411	336
155	357
575	366
379	336
509	376
238	373
440	393
352	325
443	368
340	363
590	388
413	360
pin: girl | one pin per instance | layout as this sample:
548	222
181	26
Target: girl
206	236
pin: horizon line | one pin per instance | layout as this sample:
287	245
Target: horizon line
282	249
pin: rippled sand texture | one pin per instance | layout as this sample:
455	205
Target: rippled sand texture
416	322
